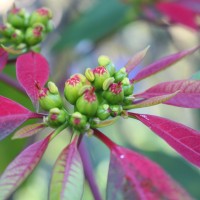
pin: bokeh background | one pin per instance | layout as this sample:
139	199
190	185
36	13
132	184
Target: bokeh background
85	29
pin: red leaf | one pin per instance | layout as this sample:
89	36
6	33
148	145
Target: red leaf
174	12
13	115
188	97
183	139
3	58
21	167
133	176
32	68
163	64
68	175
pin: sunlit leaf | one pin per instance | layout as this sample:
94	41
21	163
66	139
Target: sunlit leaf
28	130
163	64
152	101
183	139
133	176
21	167
32	68
12	115
68	176
188	97
3	58
135	60
174	12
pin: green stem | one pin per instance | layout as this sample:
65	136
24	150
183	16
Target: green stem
59	129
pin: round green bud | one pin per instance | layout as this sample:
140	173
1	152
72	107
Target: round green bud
127	87
49	100
7	30
87	104
103	60
111	69
17	17
115	94
120	75
100	75
49	27
73	87
79	122
41	15
57	117
103	111
17	37
35	35
116	110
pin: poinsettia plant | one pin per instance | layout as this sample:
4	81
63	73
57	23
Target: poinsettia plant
99	98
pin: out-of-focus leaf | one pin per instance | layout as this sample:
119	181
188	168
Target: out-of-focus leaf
21	167
32	68
133	176
12	115
188	97
68	176
174	11
135	60
163	64
183	139
98	21
152	101
196	76
11	50
3	58
28	130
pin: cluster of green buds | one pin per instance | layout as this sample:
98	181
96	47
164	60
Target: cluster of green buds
96	96
22	30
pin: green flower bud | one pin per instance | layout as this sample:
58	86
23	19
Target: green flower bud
17	17
127	87
111	69
49	99
17	37
41	15
103	60
115	94
35	35
79	122
120	75
87	104
57	117
103	111
73	86
6	30
49	27
115	110
89	74
100	75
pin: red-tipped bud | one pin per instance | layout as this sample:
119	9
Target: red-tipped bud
17	37
17	17
73	87
35	35
41	15
79	122
7	30
49	97
87	104
100	75
114	94
57	117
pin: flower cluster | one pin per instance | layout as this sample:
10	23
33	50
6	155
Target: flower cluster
25	31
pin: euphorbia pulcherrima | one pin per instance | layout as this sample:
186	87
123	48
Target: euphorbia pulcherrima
99	97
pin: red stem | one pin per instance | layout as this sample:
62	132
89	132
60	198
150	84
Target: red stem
109	143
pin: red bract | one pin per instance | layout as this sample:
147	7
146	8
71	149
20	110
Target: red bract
32	69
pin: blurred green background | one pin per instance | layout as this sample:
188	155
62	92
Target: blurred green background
85	29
